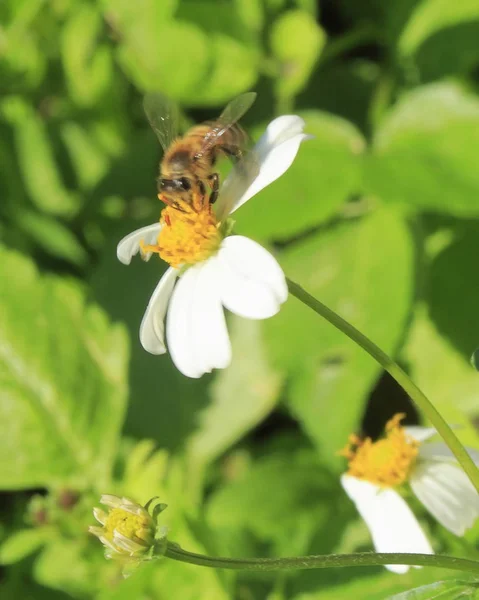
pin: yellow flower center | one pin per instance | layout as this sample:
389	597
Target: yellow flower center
189	234
135	527
386	462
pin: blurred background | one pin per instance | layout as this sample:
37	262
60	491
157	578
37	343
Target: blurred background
378	217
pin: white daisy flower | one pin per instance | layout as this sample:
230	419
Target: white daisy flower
215	270
377	470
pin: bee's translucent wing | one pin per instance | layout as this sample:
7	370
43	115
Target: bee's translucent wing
231	114
164	116
236	109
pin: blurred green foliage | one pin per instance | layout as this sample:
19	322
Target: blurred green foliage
378	217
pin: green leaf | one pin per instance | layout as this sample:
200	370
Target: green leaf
52	236
89	160
282	499
296	41
424	151
41	174
156	55
444	374
62	368
454	589
234	69
22	543
311	191
452	294
362	270
241	396
88	67
430	16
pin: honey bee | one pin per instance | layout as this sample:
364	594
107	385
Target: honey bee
188	162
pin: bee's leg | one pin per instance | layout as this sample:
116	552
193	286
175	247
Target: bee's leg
215	187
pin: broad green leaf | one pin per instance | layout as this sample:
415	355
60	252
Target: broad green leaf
241	396
444	374
62	372
251	13
284	499
311	191
174	57
52	236
454	589
430	16
89	160
25	57
462	62
424	151
231	18
362	270
76	566
452	294
88	66
233	70
41	173
125	14
296	41
22	543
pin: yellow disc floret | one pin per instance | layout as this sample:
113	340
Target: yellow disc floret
134	527
386	462
189	234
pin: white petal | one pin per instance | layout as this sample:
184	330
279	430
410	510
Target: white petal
275	152
129	246
447	493
392	525
252	284
439	451
152	328
420	434
196	328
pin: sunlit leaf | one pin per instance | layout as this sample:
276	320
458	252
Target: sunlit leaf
430	16
62	367
88	66
362	270
424	151
296	42
40	171
22	543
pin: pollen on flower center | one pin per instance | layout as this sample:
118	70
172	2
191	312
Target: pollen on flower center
189	233
386	462
134	527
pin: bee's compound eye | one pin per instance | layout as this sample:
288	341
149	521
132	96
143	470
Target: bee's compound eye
185	184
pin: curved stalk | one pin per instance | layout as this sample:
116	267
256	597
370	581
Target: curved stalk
321	561
398	374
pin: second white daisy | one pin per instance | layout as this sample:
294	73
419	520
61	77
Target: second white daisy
379	471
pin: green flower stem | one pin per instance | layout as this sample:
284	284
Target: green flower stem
399	375
322	561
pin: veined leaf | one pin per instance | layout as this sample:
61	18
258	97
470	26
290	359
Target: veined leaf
424	153
62	374
362	270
